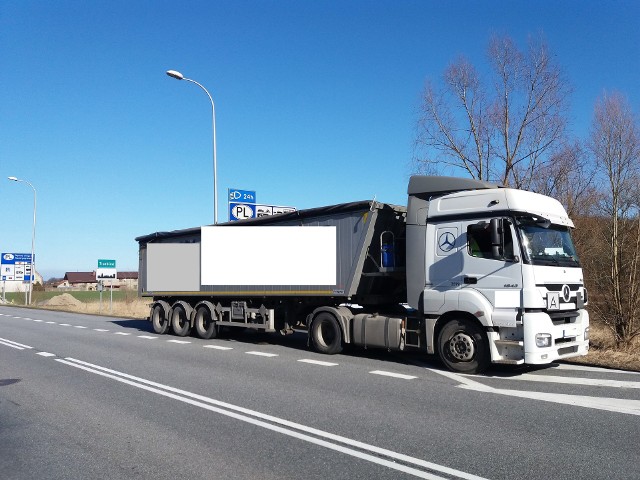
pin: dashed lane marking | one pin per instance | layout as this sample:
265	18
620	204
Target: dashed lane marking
318	362
46	354
79	326
394	375
262	354
100	330
218	347
148	337
121	333
181	342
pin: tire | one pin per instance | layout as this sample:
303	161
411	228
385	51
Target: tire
205	325
180	321
326	334
462	346
159	319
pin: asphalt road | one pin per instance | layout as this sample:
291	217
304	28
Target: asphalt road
103	398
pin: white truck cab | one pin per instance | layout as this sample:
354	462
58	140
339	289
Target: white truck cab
497	264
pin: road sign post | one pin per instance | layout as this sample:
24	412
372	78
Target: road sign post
107	271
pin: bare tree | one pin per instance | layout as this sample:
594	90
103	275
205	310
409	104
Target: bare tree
502	132
615	144
570	178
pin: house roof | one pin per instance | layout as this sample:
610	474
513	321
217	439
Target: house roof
127	275
80	277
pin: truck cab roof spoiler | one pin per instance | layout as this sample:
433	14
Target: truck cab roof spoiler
435	185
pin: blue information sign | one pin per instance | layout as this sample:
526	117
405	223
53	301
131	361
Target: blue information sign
242	196
16	266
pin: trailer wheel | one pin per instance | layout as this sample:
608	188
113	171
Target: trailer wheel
462	346
326	334
205	325
159	319
180	319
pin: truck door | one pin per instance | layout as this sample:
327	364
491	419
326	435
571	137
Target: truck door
491	262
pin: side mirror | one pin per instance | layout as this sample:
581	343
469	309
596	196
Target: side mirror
495	227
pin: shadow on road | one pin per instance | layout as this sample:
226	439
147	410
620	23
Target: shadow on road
296	341
134	324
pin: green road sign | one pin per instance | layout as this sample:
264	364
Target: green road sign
106	264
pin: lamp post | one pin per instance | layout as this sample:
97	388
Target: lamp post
179	76
33	236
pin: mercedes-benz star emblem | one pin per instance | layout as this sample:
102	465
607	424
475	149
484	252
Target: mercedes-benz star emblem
446	241
566	293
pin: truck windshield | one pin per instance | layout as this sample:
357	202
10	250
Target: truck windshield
545	244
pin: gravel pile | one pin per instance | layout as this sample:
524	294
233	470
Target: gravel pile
64	300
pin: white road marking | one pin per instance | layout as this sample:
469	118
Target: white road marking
37	320
302	432
51	323
318	362
629	407
100	330
79	326
64	324
573	366
262	354
391	374
218	347
12	344
181	342
46	354
121	333
149	337
591	382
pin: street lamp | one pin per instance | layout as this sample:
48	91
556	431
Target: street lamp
33	236
179	76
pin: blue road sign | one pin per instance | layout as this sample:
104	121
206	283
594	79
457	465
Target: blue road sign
16	266
242	196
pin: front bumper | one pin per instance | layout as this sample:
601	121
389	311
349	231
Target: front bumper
569	336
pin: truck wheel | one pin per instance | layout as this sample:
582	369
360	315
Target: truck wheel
180	320
159	319
326	334
462	346
205	325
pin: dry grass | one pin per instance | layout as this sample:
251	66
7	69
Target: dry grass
130	308
603	353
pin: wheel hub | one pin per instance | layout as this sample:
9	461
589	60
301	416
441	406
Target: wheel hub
462	347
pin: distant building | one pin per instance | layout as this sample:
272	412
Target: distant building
87	281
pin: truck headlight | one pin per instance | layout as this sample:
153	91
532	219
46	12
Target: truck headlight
586	333
585	296
543	340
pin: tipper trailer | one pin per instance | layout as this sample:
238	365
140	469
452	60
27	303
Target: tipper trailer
470	271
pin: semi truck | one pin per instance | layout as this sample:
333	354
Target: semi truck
470	271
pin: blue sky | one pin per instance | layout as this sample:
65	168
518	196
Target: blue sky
316	104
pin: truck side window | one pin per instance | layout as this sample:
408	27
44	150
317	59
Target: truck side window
479	240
